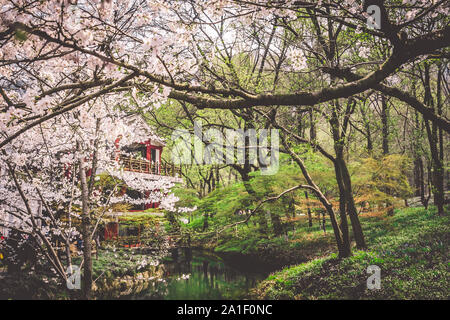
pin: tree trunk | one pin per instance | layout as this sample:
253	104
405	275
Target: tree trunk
438	169
426	200
346	201
312	128
324	221
310	222
86	234
342	205
385	124
440	138
351	207
418	177
435	146
368	132
419	171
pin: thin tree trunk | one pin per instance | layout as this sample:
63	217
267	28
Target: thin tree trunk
438	169
429	183
310	222
418	163
385	124
433	139
312	128
86	234
418	177
346	201
324	222
352	211
368	132
342	205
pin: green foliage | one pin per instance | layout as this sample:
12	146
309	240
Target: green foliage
383	179
230	204
196	223
146	219
188	197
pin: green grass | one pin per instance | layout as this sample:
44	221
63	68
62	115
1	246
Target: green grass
411	248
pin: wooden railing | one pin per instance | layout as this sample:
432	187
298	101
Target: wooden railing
145	166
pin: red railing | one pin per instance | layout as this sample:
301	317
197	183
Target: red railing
145	166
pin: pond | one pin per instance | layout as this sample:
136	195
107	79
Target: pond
195	274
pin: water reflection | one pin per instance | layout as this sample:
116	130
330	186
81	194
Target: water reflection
210	277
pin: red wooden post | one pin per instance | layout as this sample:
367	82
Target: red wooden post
159	164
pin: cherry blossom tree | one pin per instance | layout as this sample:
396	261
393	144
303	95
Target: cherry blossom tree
46	182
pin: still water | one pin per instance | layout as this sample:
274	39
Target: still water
191	274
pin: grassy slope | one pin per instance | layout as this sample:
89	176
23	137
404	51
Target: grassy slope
411	248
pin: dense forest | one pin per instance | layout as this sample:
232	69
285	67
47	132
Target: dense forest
304	142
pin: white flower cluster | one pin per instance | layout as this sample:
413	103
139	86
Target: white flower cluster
297	59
